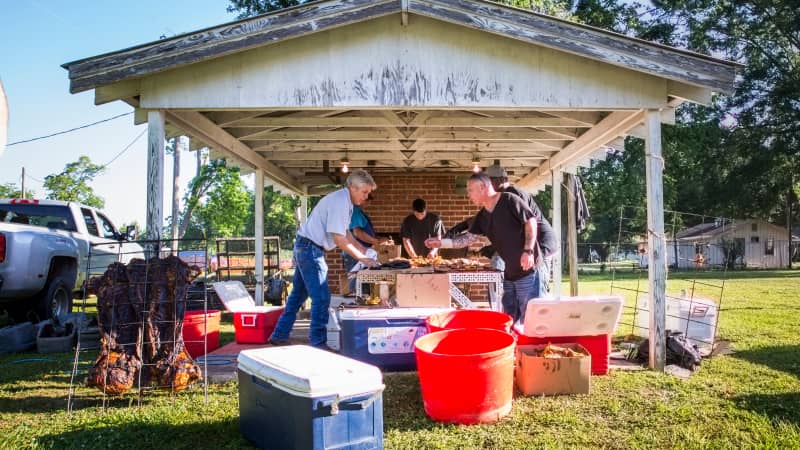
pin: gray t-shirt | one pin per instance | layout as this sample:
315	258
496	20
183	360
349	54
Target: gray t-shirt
330	216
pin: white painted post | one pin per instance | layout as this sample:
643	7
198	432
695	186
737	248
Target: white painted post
259	227
176	193
155	179
557	175
572	235
302	210
656	242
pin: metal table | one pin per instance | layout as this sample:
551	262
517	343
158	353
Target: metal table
493	278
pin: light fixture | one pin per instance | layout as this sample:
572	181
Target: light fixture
476	164
345	164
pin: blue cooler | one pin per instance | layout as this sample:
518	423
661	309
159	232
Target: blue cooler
384	337
300	397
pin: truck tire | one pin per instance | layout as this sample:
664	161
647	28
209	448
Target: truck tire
56	297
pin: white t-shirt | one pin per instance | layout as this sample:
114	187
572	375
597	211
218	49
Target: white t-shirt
331	215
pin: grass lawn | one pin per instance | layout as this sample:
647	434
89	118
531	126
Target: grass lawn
749	399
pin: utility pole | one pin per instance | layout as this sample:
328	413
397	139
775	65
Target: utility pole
176	189
23	182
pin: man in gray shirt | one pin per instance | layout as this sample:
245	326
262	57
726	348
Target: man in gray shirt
325	229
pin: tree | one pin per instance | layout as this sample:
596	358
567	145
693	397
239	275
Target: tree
279	217
10	190
216	202
249	8
73	183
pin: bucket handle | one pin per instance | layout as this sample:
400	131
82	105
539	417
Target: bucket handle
248	320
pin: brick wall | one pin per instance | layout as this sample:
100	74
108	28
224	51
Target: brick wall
392	203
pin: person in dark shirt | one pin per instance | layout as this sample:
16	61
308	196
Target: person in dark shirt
418	226
546	242
511	227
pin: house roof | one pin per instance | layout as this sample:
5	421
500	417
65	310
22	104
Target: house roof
403	85
213	42
712	229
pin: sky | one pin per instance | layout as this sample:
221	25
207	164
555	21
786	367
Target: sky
36	38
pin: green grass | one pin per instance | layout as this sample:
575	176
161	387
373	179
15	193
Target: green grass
749	399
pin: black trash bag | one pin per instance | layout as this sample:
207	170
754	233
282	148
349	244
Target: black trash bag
276	291
397	264
679	351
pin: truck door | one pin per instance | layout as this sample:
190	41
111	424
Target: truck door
105	249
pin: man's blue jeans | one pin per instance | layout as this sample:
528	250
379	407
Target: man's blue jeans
516	295
310	280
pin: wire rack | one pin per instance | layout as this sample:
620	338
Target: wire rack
138	294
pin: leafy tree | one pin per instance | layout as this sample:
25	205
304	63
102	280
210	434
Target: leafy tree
279	217
226	209
10	190
73	183
249	8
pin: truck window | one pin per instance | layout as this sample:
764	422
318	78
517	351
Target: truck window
91	225
46	216
106	227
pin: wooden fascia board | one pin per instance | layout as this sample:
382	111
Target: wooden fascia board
581	40
200	126
223	40
608	129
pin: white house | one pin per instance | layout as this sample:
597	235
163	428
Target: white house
751	243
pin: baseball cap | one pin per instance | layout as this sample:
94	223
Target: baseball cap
495	171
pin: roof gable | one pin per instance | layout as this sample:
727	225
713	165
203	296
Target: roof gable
226	39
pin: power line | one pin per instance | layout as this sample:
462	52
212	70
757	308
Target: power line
70	130
125	149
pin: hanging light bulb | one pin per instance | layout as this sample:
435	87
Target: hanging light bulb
476	165
345	165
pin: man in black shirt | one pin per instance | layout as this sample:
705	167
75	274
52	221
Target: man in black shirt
546	242
418	226
511	227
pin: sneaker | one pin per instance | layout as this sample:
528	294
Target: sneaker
278	342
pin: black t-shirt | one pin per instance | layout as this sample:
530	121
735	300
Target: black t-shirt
419	230
546	236
505	227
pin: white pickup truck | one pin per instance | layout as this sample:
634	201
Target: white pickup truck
47	248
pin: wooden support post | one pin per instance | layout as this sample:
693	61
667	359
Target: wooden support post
155	179
572	235
176	192
302	210
656	243
558	176
259	227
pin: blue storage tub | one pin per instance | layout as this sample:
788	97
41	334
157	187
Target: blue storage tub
384	337
300	397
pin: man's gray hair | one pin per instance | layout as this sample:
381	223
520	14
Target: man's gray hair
360	177
482	178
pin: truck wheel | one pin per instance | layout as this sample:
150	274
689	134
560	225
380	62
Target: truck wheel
56	298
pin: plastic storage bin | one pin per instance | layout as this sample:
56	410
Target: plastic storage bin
695	317
17	338
300	397
251	324
384	337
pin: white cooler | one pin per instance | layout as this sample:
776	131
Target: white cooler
695	317
300	397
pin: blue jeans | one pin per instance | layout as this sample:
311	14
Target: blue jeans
516	295
310	280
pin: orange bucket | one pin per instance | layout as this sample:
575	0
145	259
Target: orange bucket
466	375
201	331
469	318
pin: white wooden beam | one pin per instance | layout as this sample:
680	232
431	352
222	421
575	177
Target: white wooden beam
259	229
198	125
612	126
694	94
116	91
656	242
556	177
155	177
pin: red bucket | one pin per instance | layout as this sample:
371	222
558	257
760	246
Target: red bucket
466	375
201	331
469	318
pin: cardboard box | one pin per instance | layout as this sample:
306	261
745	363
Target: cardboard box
386	252
416	290
537	375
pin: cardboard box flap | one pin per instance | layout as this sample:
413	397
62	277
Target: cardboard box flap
234	296
309	372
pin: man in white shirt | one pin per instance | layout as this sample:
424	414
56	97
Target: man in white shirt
325	229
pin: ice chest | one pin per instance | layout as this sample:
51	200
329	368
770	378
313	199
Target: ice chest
300	397
384	337
252	324
588	321
539	375
695	317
